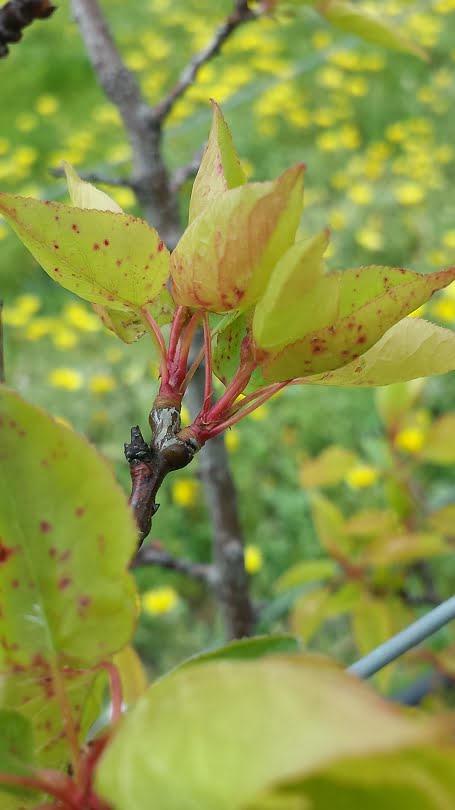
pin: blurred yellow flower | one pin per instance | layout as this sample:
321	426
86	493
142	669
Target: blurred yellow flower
159	601
253	559
369	238
24	156
28	303
410	440
360	193
409	193
337	219
46	104
444	309
40	327
185	492
362	476
66	378
260	414
232	439
185	415
101	384
124	197
448	238
321	39
79	316
64	338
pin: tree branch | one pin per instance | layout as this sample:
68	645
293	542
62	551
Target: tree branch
241	14
150	178
16	15
158	196
150	555
95	177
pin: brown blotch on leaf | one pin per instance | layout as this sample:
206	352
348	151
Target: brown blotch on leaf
79	511
5	552
15	583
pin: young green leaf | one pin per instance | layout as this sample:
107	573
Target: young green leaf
84	195
412	348
220	168
344	315
224	259
107	258
354	20
329	468
278	315
306	571
129	326
248	649
403	548
246	725
67	536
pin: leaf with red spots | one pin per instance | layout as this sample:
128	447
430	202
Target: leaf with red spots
16	747
65	592
225	257
342	316
296	713
128	326
220	168
411	349
107	258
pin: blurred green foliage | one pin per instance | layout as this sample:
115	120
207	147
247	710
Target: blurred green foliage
376	130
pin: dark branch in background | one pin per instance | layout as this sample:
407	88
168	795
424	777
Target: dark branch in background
150	555
187	172
240	15
2	351
221	497
16	15
157	193
95	177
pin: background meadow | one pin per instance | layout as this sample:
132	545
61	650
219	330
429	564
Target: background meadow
376	130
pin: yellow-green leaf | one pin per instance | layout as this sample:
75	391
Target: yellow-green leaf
306	571
346	313
403	549
411	348
220	168
439	447
224	259
84	195
217	735
329	468
107	258
354	20
278	315
443	520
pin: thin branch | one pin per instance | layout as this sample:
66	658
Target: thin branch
148	555
184	173
16	15
95	177
2	350
240	15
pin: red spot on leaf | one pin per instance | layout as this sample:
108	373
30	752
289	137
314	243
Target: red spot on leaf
52	552
96	246
14	583
65	555
56	246
45	526
75	228
106	242
119	262
64	582
79	511
351	325
84	602
160	246
56	270
361	339
5	552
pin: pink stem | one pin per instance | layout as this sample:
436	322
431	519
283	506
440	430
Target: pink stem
157	336
51	782
208	366
179	372
178	322
244	411
68	721
192	370
270	390
235	387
